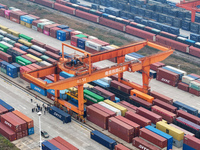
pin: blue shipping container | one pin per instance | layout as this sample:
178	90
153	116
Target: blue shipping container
187	147
75	103
165	135
185	107
63	26
48	146
66	75
191	76
58	113
31	131
81	43
4	64
12	37
117	100
7	106
195	37
101	83
38	89
103	139
27	19
17	66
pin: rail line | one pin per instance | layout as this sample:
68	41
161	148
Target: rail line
83	125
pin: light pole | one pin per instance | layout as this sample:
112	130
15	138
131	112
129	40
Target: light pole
40	143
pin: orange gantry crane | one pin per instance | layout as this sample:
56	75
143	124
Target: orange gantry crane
85	72
190	5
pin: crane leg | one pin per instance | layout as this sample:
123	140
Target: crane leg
146	77
80	102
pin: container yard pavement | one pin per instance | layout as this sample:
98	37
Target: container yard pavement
71	132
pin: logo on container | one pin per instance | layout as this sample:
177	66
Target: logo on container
36	88
142	147
165	80
56	114
7	123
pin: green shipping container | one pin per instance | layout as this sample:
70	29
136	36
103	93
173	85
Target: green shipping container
156	31
27	38
3	48
81	36
3	70
22	61
195	85
92	96
44	57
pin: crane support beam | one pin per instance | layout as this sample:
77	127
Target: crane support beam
79	80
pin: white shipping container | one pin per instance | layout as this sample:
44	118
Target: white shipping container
44	63
185	73
187	79
6	44
129	58
34	28
92	37
3	32
37	48
5	39
93	45
195	84
44	20
117	111
106	79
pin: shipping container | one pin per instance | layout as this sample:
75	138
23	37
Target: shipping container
153	138
185	131
122	109
108	111
107	93
175	133
33	52
149	115
29	58
65	143
58	113
92	96
140	102
7	132
121	147
121	86
3	110
143	145
7	106
186	108
142	121
97	116
192	142
117	111
38	89
161	97
48	146
129	105
165	105
103	139
57	144
28	120
52	49
183	86
142	95
34	57
128	108
53	55
31	131
121	129
6	57
188	116
22	61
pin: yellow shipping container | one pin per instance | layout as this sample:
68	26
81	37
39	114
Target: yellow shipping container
34	57
28	25
114	46
3	28
13	32
122	109
25	42
88	85
175	133
23	23
164	121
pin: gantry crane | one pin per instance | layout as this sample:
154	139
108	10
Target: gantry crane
190	5
85	73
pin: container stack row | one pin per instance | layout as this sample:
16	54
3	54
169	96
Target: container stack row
14	124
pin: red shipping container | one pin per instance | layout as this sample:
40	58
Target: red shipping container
19	50
6	57
18	45
3	110
53	32
131	123
35	53
188	116
64	8
156	65
138	119
50	96
108	111
173	36
14	19
52	61
7	120
195	75
57	144
149	115
103	43
112	24
35	22
97	116
128	108
17	14
164	105
167	115
120	129
193	91
2	12
194	51
161	97
143	145
53	55
45	3
24	133
73	43
107	93
74	38
36	66
33	16
8	133
140	101
40	44
121	147
153	138
29	58
31	67
52	49
47	27
40	30
87	16
65	143
192	141
129	105
50	77
183	86
120	86
18	119
90	50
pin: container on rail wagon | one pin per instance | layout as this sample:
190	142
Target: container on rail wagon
161	97
129	105
121	86
51	54
165	105
39	49
149	115
40	44
109	94
33	52
142	121
29	58
106	110
192	142
142	95
188	116
122	109
120	129
128	108
140	102
97	116
34	57
52	49
185	131
117	111
142	144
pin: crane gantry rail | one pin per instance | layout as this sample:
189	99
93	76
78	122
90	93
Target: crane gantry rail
85	73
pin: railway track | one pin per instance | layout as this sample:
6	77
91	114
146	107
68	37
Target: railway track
81	124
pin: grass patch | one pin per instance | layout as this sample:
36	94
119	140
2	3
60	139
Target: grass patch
5	144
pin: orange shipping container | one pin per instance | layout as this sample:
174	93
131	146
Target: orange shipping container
142	95
28	120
